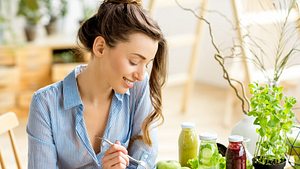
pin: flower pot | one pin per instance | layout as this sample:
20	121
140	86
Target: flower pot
257	165
1	34
51	27
30	32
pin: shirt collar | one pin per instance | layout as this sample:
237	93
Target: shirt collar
120	96
70	89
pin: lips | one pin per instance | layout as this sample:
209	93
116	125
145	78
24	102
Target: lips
128	82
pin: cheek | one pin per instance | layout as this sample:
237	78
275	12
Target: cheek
120	67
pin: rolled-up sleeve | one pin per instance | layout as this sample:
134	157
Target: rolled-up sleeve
41	149
138	149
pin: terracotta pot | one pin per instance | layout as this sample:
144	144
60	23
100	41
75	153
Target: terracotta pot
1	34
30	32
51	27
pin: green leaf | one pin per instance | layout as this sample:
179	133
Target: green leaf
261	132
194	163
273	114
287	126
274	121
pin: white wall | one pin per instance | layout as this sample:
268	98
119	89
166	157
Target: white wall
173	21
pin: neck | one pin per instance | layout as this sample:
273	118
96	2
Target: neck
93	86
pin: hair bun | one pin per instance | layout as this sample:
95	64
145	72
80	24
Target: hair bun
135	2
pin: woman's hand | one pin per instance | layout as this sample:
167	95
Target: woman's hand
115	157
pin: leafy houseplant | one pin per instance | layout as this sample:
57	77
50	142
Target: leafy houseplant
87	11
271	109
2	21
7	34
55	9
274	116
30	9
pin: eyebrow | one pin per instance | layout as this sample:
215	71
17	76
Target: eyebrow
141	56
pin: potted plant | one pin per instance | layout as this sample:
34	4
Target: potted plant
269	106
2	21
274	116
87	11
30	10
55	9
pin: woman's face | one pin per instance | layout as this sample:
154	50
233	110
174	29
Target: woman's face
127	62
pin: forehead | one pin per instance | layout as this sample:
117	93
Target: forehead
141	44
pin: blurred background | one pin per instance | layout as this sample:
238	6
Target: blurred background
37	38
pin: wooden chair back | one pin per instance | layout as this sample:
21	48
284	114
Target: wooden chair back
9	121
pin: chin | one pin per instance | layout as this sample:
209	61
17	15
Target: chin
121	91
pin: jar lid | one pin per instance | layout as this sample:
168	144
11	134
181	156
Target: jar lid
208	136
235	138
187	125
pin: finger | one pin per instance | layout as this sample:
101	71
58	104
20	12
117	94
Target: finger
119	166
117	154
116	147
116	166
114	159
125	157
118	142
110	164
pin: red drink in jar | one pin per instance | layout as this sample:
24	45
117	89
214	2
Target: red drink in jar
235	154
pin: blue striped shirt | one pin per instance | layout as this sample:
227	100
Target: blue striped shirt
58	136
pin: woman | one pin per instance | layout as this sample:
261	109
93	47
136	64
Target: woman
111	97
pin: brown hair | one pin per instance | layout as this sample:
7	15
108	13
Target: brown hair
115	21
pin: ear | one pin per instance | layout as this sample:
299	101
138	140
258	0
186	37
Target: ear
98	46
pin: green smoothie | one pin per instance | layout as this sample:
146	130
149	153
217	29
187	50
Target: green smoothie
187	144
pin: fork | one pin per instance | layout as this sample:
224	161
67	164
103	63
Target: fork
142	163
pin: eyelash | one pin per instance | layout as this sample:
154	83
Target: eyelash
132	63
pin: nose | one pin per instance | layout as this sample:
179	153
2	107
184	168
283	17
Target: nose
139	74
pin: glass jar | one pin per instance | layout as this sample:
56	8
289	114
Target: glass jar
235	154
187	143
248	154
208	151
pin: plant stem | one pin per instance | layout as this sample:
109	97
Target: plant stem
219	58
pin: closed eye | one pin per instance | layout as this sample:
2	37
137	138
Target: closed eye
132	63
